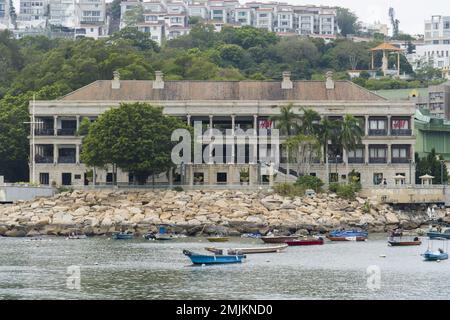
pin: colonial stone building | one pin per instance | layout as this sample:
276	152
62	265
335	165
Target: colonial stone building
387	149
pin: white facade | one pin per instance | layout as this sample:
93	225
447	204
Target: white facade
284	20
200	11
4	14
243	16
32	14
264	19
435	50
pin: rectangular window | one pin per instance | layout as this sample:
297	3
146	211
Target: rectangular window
377	178
44	178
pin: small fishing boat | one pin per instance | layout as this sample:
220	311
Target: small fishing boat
439	233
393	242
305	242
213	259
436	255
218	239
278	239
161	235
122	235
256	235
255	250
76	236
348	235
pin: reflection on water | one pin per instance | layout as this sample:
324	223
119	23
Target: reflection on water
140	269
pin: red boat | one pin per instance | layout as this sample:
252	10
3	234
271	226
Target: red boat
305	242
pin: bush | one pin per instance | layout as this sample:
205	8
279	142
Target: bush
309	182
62	189
289	190
333	187
178	189
346	191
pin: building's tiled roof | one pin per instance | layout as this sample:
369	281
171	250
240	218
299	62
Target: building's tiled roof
142	90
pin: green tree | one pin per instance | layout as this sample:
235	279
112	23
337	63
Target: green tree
287	121
432	165
84	126
350	135
135	137
310	122
347	21
134	16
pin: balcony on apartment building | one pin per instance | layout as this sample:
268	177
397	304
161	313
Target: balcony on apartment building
67	155
67	126
44	153
45	126
398	126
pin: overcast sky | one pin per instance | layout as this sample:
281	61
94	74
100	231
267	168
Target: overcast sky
411	13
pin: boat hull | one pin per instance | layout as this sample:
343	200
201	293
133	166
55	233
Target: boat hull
218	239
430	256
200	259
235	251
347	238
120	236
282	239
434	235
404	243
312	242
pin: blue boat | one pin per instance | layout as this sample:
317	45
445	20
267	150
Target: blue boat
348	233
435	255
439	233
213	259
122	235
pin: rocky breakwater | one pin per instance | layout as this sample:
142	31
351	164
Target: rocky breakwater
197	212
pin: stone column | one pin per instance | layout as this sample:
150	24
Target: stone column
366	153
190	173
170	177
233	155
255	144
230	175
188	118
77	153
413	152
389	125
211	181
55	153
210	121
366	122
55	125
411	125
78	122
271	178
389	153
344	156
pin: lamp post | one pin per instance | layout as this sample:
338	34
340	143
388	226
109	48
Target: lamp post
337	176
32	123
442	172
410	171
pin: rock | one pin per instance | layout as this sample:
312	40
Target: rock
134	210
62	218
391	218
16	233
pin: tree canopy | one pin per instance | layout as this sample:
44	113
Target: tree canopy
135	137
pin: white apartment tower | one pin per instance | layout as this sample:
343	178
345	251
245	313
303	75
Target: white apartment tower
435	51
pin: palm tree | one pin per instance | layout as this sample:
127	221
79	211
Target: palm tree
350	135
310	122
287	123
326	131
